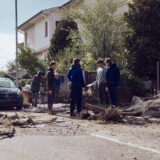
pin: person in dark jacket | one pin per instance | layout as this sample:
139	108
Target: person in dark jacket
35	87
112	81
75	76
51	84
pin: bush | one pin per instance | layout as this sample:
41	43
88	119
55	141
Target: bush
133	84
23	82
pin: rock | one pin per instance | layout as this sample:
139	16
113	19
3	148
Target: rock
136	100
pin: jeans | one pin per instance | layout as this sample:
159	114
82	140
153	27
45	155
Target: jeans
57	95
34	98
103	95
75	98
51	97
112	94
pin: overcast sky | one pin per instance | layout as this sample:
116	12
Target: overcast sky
26	9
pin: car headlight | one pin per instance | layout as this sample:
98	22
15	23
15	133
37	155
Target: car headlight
19	93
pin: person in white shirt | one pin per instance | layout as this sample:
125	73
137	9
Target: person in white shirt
101	82
147	85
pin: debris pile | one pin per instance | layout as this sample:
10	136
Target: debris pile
106	114
6	133
43	108
140	112
8	124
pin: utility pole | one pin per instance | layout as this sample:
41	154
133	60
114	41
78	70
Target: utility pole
16	29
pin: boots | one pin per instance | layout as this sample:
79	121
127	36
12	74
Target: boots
50	108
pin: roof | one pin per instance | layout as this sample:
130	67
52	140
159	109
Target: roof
35	18
39	16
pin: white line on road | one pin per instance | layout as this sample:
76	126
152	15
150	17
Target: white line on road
127	144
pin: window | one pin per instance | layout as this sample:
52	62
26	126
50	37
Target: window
25	39
46	29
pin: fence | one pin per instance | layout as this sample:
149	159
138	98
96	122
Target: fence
89	77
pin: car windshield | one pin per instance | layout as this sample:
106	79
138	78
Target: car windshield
6	83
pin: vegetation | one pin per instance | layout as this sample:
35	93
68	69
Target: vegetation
29	62
101	27
11	67
5	75
142	40
60	38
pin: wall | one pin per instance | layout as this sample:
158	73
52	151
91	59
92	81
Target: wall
42	42
30	37
53	17
36	35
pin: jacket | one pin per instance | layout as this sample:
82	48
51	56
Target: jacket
35	86
51	81
112	76
75	75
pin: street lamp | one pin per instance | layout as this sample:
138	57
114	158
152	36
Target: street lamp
16	30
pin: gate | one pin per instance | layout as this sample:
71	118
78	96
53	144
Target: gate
90	77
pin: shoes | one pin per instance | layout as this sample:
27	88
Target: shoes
72	114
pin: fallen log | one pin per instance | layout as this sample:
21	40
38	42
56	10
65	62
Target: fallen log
93	107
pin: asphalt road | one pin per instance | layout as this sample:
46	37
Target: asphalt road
69	148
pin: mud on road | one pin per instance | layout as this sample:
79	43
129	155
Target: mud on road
61	125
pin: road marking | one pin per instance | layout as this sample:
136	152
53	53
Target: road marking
127	144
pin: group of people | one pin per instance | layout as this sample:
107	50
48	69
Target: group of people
107	80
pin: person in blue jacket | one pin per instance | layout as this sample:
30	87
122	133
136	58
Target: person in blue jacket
112	80
75	76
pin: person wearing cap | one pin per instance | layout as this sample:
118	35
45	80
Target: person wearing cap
101	82
51	85
76	79
35	87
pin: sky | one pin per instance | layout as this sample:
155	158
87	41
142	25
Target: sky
26	9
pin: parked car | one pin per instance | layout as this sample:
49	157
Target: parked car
10	95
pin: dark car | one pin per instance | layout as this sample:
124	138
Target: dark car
10	95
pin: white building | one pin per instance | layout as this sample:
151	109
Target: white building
38	30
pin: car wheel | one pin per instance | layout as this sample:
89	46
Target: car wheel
19	107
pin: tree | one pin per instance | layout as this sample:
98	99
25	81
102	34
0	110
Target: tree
142	40
6	75
59	40
11	67
29	61
101	27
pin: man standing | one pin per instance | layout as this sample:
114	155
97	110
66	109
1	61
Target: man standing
51	86
35	87
75	76
112	81
101	82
